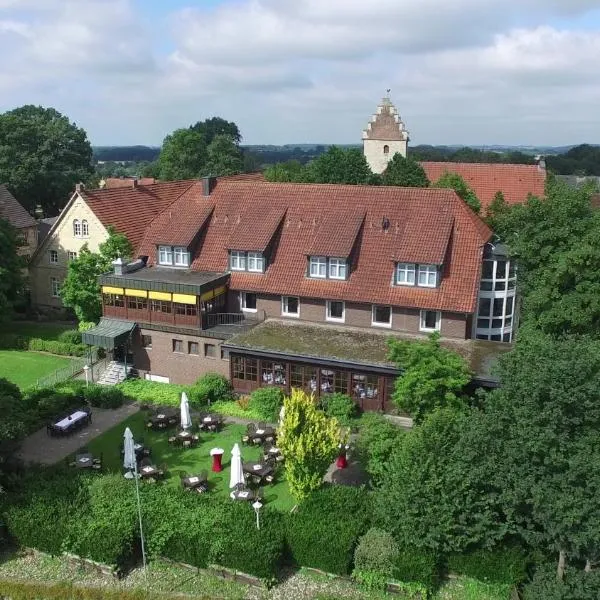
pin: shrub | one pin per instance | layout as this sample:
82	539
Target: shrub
499	565
323	533
104	397
376	551
152	392
377	438
14	414
71	336
267	402
577	585
340	406
235	409
418	566
210	388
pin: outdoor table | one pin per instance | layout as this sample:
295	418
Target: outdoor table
262	434
68	422
217	455
139	449
210	422
84	461
193	482
185	435
149	471
244	495
260	470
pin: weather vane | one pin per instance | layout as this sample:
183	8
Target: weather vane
388	91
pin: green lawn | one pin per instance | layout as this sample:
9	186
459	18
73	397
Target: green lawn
191	461
25	368
45	331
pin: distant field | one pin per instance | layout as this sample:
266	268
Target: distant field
25	368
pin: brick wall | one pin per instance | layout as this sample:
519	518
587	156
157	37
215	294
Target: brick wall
357	315
179	367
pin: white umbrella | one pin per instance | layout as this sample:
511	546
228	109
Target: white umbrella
186	420
129	460
237	473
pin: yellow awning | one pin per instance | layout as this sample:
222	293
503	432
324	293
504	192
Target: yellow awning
107	289
184	298
207	295
160	295
220	290
136	293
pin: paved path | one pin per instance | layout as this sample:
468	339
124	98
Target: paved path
41	448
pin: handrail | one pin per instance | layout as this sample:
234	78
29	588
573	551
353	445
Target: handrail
234	319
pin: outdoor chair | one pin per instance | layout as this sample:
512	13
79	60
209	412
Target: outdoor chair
239	487
50	429
145	462
172	440
270	439
262	425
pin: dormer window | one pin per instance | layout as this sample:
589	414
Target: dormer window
321	267
177	256
247	261
415	274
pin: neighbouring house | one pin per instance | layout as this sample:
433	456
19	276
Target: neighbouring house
21	220
299	285
85	220
386	134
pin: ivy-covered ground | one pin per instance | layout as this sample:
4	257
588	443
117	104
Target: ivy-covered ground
162	577
191	461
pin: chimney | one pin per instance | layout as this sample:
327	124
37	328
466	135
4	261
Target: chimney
541	163
119	266
208	185
79	187
134	183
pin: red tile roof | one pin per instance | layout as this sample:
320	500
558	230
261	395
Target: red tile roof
255	227
112	183
335	234
423	224
131	210
516	182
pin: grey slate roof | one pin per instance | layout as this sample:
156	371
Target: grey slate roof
12	211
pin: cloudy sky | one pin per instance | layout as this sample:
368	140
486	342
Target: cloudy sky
292	71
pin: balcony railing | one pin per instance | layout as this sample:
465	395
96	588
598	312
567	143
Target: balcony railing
234	319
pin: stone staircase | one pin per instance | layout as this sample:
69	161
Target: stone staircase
114	373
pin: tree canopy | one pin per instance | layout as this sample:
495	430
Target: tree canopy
11	269
183	155
42	156
223	157
432	376
459	185
80	289
216	126
405	172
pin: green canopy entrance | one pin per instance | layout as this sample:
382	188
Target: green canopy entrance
108	334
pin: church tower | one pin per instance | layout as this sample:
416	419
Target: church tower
384	136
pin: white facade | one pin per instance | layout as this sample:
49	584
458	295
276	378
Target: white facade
379	152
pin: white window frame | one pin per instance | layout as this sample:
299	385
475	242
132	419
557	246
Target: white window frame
255	262
77	228
243	302
85	229
72	255
337	268
53	254
375	323
427	271
406	270
422	321
320	264
238	261
165	255
181	256
328	316
284	307
55	287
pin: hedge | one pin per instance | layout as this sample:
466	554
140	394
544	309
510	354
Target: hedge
324	531
152	392
577	585
64	346
415	565
499	565
210	388
266	403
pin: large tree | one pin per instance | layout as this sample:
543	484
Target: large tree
405	172
80	289
42	156
215	126
432	377
289	171
183	155
11	269
459	185
341	166
224	157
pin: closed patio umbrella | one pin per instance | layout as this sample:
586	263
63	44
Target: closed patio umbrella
186	419
129	460
237	474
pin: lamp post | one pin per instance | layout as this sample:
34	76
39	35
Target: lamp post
86	370
257	506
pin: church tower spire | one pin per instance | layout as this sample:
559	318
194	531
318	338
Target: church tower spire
384	136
